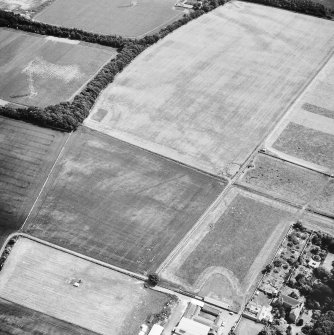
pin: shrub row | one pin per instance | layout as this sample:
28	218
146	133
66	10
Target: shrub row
68	116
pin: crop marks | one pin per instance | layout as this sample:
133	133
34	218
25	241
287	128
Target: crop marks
120	204
210	106
41	71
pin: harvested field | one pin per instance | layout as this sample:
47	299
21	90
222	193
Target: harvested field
306	134
129	18
283	180
27	154
39	70
107	302
19	320
324	202
318	222
118	203
210	107
233	244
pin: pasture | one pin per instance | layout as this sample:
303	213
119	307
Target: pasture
211	106
128	18
118	203
27	154
107	302
39	70
223	257
283	180
306	134
20	320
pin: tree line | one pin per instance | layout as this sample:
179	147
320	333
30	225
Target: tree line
67	116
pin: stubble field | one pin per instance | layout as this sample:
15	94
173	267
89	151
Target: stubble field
40	277
120	204
210	106
27	154
121	17
226	254
20	320
40	71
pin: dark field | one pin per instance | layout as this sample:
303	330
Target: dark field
27	154
111	17
283	180
325	200
118	203
236	238
308	144
19	320
40	71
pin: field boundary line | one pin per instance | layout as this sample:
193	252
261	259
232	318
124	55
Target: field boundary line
46	180
79	255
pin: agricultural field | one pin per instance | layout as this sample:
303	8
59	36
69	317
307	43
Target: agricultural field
197	104
283	180
27	7
118	203
20	320
306	134
128	18
40	70
27	154
107	302
223	257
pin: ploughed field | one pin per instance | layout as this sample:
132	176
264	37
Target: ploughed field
39	71
223	257
27	154
129	18
107	302
211	106
20	320
118	203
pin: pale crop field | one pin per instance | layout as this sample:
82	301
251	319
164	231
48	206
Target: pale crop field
107	302
208	93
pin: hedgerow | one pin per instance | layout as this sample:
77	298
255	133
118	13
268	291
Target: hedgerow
67	116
